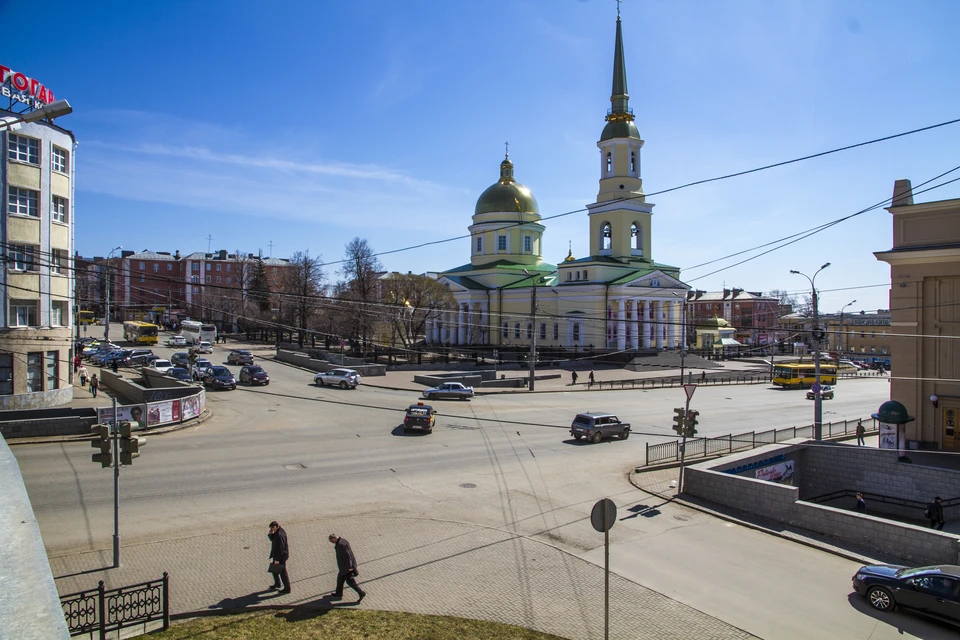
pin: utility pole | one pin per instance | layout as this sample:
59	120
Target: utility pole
106	319
817	335
533	343
115	432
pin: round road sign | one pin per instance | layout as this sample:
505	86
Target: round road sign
604	514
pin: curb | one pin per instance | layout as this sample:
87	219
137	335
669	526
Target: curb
81	437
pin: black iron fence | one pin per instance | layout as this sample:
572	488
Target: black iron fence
706	447
95	612
712	379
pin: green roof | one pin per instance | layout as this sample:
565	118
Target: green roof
465	282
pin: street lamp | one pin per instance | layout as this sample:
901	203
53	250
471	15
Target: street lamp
52	110
840	341
817	335
533	325
106	321
683	330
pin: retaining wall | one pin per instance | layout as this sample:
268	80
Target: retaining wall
313	364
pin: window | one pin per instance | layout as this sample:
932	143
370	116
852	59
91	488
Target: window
218	267
142	267
207	279
543	330
576	332
609	163
196	266
229	266
58	261
228	279
196	289
21	258
6	374
527	244
636	235
606	237
59	209
633	163
53	370
584	274
501	243
169	266
863	334
58	311
479	244
529	331
556	330
23	149
60	160
194	278
506	329
142	278
22	202
569	276
516	330
35	371
156	267
218	278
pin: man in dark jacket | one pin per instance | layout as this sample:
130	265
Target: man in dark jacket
935	514
346	567
279	553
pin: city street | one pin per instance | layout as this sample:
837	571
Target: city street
500	464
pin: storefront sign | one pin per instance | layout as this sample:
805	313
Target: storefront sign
20	88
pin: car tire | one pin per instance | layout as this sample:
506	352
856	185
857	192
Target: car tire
428	396
624	434
463	397
577	436
597	437
318	382
343	385
881	599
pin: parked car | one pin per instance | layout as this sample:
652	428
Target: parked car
343	378
419	417
98	354
931	591
253	374
219	378
826	392
107	357
240	356
180	359
201	367
204	347
161	365
140	360
176	341
179	373
449	390
597	426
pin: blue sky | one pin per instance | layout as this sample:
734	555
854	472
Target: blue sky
306	124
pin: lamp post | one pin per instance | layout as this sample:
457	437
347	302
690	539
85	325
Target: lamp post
683	331
106	320
533	326
817	334
840	341
52	110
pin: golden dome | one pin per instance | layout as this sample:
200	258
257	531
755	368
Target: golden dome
507	195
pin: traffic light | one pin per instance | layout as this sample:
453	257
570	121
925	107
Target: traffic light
102	441
692	423
129	443
678	421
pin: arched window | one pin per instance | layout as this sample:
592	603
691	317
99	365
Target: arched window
609	163
606	237
636	239
633	163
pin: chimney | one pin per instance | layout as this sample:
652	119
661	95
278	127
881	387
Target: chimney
177	254
223	254
726	293
902	193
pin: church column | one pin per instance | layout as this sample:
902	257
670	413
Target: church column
647	329
672	324
461	326
621	324
485	327
658	322
635	324
428	338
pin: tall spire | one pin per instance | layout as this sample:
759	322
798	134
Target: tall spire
619	98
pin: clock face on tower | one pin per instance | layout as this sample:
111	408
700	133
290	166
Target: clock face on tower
655	282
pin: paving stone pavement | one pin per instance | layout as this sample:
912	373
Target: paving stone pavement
406	564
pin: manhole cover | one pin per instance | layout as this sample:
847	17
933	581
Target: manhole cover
682	518
294	467
461	426
468	485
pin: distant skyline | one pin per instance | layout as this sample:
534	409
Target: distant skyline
310	123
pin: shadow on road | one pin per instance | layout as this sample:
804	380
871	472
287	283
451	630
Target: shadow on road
228	604
398	431
905	622
314	609
645	510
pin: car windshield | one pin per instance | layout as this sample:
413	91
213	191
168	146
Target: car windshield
242	352
255	370
911	572
220	371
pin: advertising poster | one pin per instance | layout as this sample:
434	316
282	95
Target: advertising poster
191	406
781	473
133	413
163	412
888	436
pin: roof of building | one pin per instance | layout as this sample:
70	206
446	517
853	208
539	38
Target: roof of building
727	294
507	195
150	255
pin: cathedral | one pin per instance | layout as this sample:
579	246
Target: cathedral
617	298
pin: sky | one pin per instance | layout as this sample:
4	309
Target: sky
298	126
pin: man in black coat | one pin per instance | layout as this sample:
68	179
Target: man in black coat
279	553
346	567
935	514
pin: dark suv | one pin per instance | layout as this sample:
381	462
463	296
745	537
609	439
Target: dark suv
597	426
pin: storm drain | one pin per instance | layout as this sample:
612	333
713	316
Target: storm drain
294	467
462	427
468	485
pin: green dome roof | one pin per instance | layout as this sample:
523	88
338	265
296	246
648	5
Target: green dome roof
893	412
507	195
621	129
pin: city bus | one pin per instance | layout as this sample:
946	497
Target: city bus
140	332
85	317
798	375
195	332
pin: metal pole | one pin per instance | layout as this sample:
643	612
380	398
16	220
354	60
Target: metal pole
606	579
683	339
683	443
106	318
817	397
116	487
533	343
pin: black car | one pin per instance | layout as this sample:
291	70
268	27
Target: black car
419	417
180	374
219	378
254	375
240	356
932	591
140	360
597	426
181	359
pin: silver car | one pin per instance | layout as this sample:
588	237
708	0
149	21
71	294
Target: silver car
449	390
343	378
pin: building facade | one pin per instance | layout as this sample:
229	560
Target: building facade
616	298
752	315
858	336
925	315
36	318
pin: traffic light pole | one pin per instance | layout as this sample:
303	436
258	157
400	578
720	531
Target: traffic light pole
683	442
115	427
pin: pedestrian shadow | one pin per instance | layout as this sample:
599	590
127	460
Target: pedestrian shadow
644	510
314	609
230	604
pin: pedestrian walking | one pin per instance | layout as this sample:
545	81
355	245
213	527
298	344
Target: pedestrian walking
115	365
83	376
860	432
94	385
346	568
703	376
591	378
861	505
76	364
573	374
934	514
279	554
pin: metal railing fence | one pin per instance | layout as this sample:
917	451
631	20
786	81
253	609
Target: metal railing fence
96	612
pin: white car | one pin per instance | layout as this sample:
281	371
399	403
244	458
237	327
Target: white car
204	347
449	390
162	365
176	341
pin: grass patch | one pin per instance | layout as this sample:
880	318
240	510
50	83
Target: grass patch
300	623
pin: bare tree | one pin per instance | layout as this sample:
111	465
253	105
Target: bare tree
361	272
413	296
303	284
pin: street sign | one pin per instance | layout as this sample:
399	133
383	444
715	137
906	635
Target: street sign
604	514
815	387
689	389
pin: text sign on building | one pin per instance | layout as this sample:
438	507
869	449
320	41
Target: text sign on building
21	88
